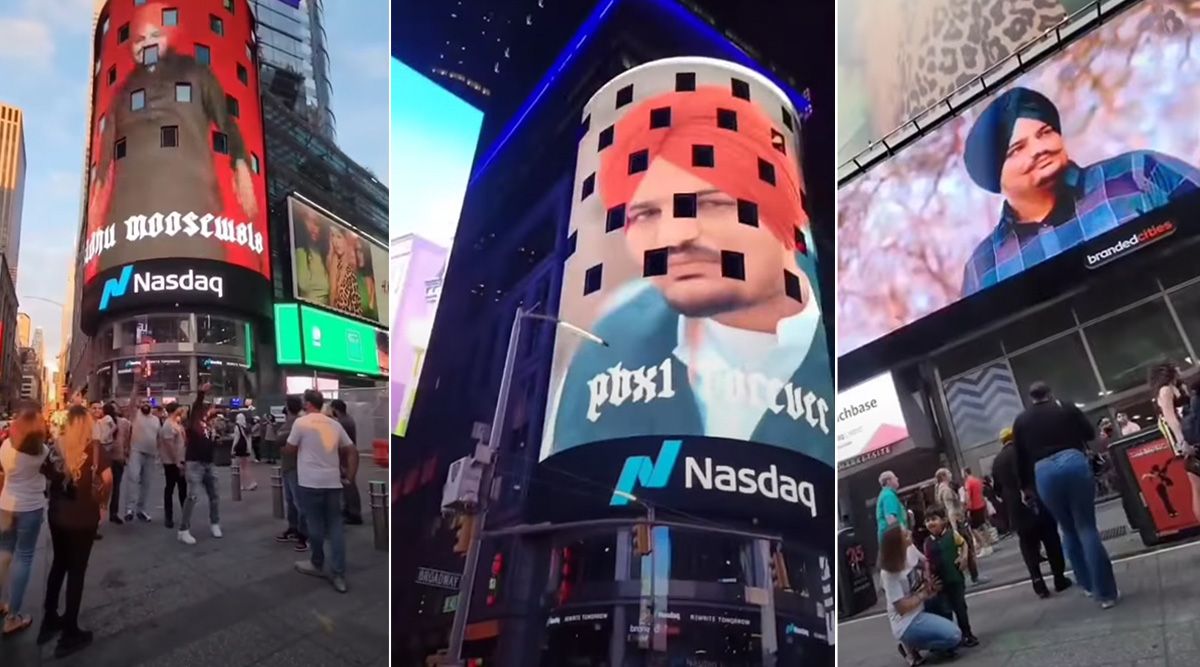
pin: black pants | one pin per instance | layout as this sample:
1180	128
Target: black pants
1033	535
351	502
72	549
953	606
114	504
256	446
175	480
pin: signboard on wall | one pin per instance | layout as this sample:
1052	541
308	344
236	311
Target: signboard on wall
318	338
869	418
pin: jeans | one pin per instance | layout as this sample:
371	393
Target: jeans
114	503
140	465
931	632
175	479
18	535
72	549
322	509
291	502
1065	486
199	474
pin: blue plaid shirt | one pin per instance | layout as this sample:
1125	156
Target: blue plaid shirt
1092	200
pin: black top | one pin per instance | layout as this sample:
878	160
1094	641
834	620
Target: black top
1007	474
1045	429
75	504
199	445
351	430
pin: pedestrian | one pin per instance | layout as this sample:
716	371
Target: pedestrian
120	456
946	552
143	449
172	448
325	461
1127	427
201	471
80	481
977	516
1170	398
270	440
256	437
1051	440
241	452
889	511
948	498
105	426
351	499
997	512
23	456
907	589
291	486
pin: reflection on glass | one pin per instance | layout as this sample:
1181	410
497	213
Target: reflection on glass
224	375
217	330
1128	345
147	329
1063	364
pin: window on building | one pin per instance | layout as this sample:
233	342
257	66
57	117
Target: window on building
1128	345
203	54
150	55
220	143
1063	364
231	105
967	356
254	164
137	100
212	330
104	26
228	6
170	17
119	148
123	34
183	92
138	3
1187	306
112	75
243	74
1037	327
216	24
170	136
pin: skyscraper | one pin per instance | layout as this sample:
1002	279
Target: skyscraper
12	183
293	58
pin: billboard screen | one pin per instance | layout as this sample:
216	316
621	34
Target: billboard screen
176	139
869	418
336	266
1094	138
318	338
691	256
433	140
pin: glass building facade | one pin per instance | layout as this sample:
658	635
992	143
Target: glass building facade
294	59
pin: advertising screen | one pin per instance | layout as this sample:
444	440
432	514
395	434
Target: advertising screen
176	139
318	338
1094	138
691	257
335	265
868	418
433	140
173	283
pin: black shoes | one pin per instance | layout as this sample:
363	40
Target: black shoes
51	626
285	536
169	523
353	520
114	519
1063	584
970	641
72	641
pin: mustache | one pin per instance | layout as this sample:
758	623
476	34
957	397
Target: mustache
1039	157
690	252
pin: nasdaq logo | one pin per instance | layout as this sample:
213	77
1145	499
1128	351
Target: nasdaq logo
115	287
150	282
645	472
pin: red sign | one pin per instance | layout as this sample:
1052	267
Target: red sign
1164	486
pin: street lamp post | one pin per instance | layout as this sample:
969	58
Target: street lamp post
467	583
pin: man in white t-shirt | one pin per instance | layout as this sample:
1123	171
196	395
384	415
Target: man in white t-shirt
143	449
325	458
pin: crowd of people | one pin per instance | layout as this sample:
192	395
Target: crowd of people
1043	486
69	472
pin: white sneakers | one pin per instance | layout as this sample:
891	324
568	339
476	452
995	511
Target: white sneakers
186	537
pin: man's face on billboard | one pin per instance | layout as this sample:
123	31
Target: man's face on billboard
694	284
1035	159
147	32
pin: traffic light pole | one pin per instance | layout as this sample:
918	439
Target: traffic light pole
467	582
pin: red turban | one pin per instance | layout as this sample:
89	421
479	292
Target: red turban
737	153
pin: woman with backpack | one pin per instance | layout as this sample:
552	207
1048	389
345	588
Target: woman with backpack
1171	398
241	452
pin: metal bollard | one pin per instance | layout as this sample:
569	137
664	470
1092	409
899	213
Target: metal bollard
235	478
277	491
379	513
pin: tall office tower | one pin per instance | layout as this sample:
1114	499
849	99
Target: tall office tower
12	183
293	58
24	329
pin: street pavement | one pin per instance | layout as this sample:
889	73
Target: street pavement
231	602
1156	624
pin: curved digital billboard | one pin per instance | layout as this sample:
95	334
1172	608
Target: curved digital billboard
691	257
176	139
1093	139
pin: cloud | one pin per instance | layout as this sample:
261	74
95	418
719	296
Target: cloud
27	42
62	15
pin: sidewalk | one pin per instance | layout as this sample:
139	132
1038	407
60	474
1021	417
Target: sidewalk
231	602
1156	624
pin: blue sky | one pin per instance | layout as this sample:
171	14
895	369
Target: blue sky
44	60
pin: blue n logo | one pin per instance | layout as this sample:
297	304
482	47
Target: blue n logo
645	472
115	287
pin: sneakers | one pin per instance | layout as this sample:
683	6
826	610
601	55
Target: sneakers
301	546
129	517
185	536
251	487
216	531
114	519
339	584
285	536
306	567
970	641
143	517
1063	585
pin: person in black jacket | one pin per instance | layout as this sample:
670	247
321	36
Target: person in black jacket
1034	525
201	471
1051	439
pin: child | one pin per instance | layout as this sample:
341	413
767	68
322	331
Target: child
946	552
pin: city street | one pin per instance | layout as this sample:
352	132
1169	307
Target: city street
231	602
1156	624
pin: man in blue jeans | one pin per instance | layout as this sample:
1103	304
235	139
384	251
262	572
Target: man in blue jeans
1051	440
325	459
